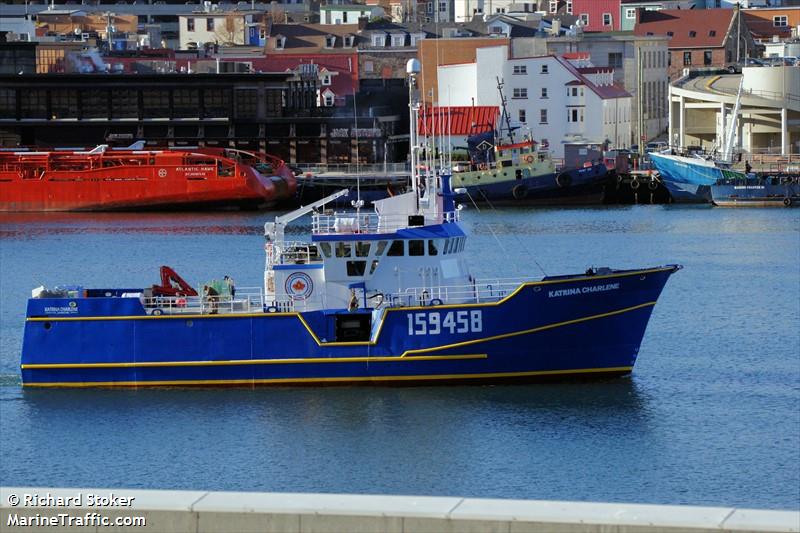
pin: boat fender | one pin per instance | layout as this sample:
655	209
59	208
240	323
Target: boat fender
529	159
436	301
787	202
156	312
653	185
519	192
635	183
563	180
272	309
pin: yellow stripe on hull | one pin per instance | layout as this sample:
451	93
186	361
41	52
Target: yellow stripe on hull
338	380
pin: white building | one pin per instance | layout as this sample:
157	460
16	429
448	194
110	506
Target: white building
215	27
549	98
347	13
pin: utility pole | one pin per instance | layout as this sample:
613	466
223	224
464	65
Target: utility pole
639	100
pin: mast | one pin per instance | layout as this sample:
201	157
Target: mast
727	154
505	111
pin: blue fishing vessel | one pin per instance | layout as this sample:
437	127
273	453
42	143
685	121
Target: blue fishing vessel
737	189
384	296
688	179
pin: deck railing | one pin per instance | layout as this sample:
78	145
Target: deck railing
245	300
481	290
349	223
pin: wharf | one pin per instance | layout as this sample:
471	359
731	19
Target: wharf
241	512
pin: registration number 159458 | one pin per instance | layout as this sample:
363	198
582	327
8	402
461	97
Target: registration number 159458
436	322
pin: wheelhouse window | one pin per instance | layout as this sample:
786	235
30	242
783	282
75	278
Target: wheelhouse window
343	249
362	249
416	248
433	248
380	248
356	268
325	248
397	249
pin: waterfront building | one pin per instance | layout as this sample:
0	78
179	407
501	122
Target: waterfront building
769	121
639	64
765	24
217	27
548	97
347	13
698	38
627	9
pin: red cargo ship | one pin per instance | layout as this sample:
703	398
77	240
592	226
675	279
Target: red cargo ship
105	179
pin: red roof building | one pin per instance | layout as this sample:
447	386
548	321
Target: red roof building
598	15
698	37
460	121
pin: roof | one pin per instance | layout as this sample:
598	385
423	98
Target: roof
690	28
310	38
343	67
605	92
457	120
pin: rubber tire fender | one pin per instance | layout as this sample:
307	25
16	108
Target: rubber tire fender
653	185
787	202
519	191
635	183
563	180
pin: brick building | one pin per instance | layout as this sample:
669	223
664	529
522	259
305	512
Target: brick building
708	38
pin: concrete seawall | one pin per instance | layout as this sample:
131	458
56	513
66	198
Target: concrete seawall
30	509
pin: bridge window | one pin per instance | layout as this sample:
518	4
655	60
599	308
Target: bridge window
397	249
433	249
416	247
356	268
373	267
380	248
326	249
343	249
362	249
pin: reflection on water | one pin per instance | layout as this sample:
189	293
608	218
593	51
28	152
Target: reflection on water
710	415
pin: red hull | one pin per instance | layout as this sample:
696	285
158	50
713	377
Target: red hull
128	179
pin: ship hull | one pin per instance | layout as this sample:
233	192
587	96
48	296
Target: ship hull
582	186
687	179
757	192
570	326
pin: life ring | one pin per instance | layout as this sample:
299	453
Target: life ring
563	180
787	202
157	312
436	301
180	302
519	192
529	159
635	183
653	185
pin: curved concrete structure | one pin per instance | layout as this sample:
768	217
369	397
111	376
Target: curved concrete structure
241	512
700	108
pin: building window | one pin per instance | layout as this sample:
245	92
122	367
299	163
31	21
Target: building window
630	13
572	115
692	33
430	7
522	117
280	42
543	116
687	59
585	18
707	57
544	92
209	24
520	69
712	33
190	24
553	6
544	69
326	79
330	41
569	7
615	59
398	40
329	99
442	7
520	92
780	21
369	66
496	29
348	41
606	19
670	34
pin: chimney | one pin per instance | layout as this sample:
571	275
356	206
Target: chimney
362	23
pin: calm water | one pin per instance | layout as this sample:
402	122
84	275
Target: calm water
711	414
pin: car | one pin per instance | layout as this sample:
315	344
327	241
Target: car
655	146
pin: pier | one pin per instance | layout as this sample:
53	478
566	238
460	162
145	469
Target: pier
241	512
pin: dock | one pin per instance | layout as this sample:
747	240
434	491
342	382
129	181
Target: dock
242	512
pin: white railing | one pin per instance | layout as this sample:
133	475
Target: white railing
348	223
291	253
245	300
481	290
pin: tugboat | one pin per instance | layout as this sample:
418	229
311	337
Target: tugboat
510	172
375	297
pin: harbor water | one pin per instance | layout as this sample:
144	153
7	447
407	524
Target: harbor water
710	416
